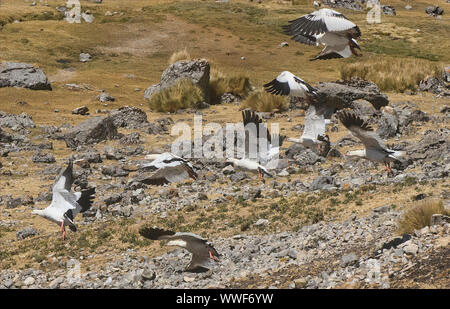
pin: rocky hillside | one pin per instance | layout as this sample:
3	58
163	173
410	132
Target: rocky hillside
324	221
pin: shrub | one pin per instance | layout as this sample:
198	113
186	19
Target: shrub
391	74
221	83
181	95
179	55
419	215
262	101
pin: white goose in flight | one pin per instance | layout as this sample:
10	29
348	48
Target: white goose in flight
267	147
374	150
317	117
202	251
65	204
287	84
169	168
314	130
329	28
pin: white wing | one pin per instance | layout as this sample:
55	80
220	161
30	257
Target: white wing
318	22
288	84
65	179
314	124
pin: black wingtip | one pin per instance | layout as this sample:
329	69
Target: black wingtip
349	119
86	199
154	233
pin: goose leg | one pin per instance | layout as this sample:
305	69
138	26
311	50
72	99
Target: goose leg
260	176
388	168
63	230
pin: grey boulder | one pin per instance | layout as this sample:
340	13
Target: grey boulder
195	70
91	131
23	75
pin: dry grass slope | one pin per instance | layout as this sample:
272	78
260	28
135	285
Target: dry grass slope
419	215
182	95
391	74
220	83
179	55
265	102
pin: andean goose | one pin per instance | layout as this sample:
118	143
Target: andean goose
314	131
329	28
202	251
287	84
266	146
65	204
375	150
169	168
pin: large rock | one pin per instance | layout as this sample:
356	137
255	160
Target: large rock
434	144
388	123
23	75
341	94
129	117
434	85
195	70
91	131
355	5
16	122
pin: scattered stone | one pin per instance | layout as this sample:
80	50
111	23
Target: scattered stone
40	157
82	110
439	219
349	259
85	57
105	97
388	10
26	232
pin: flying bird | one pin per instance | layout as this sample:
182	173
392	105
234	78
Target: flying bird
287	84
65	204
375	150
202	251
317	115
329	28
314	131
261	148
168	168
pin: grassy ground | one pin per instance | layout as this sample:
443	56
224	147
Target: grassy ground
140	42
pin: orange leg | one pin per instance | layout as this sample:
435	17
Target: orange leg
260	176
388	168
63	230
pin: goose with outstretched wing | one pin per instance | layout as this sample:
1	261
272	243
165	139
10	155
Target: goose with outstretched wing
168	168
314	130
202	251
261	148
65	204
287	84
329	28
374	150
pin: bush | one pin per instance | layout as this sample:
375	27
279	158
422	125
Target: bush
182	95
179	55
220	83
262	101
391	74
419	215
